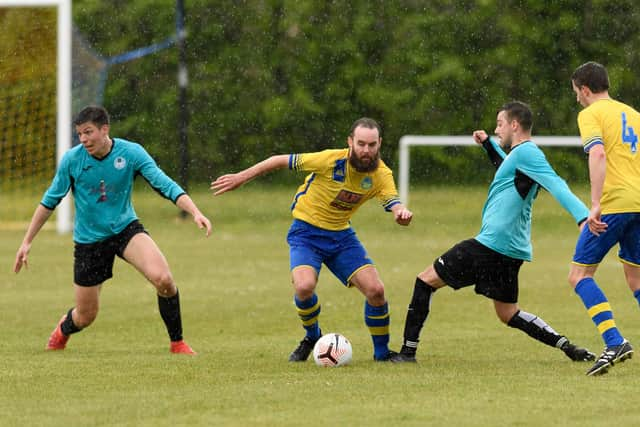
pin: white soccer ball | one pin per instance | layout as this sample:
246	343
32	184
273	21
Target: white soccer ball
332	350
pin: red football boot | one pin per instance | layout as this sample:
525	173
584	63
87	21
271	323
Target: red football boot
181	347
58	340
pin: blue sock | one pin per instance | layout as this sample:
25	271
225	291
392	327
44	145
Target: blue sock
599	310
377	320
308	311
637	295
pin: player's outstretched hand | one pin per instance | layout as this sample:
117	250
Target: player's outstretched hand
203	222
226	183
21	257
403	216
479	136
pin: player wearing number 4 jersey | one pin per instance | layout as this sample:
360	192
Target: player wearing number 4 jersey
609	131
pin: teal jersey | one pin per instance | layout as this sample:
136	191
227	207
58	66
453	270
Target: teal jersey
506	216
102	188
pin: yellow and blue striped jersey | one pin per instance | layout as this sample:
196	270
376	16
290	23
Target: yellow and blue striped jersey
334	190
615	125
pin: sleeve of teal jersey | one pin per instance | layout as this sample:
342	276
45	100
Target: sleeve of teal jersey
494	151
496	146
60	185
157	179
533	163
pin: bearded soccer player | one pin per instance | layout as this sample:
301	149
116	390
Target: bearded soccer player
609	132
339	182
491	261
100	172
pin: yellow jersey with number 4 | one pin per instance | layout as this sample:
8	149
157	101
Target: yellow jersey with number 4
334	190
616	126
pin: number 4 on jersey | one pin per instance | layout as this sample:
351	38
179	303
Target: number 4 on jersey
628	135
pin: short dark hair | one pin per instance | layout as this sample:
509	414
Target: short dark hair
95	114
365	122
592	75
520	112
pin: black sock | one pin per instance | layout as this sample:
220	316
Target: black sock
170	312
416	315
536	328
68	327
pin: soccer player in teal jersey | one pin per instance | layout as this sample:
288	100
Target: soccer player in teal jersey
609	132
491	261
100	172
339	182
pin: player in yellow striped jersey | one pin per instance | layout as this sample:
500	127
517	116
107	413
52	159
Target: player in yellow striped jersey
339	182
609	132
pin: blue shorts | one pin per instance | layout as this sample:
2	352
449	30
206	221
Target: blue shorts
340	251
622	228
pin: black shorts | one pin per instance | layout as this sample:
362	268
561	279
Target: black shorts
471	263
93	262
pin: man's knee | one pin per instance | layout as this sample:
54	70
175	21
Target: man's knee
304	284
163	282
374	292
430	276
575	277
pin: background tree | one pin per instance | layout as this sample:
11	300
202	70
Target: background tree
274	76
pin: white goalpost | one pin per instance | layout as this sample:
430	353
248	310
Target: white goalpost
63	91
408	141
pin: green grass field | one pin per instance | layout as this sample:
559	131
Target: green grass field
238	314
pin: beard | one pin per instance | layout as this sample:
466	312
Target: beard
364	166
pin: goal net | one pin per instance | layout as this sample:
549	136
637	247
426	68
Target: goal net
35	92
47	70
